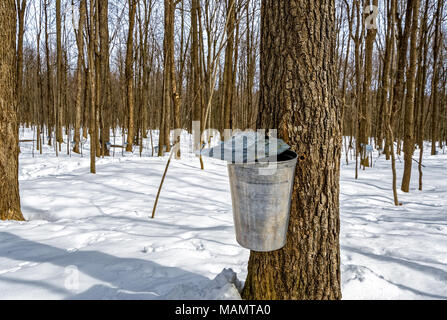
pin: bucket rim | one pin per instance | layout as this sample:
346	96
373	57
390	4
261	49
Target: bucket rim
294	159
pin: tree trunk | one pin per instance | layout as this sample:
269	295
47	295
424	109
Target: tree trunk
298	97
228	67
105	94
172	85
435	79
21	7
58	107
195	68
365	120
79	69
92	88
409	101
129	77
9	132
49	100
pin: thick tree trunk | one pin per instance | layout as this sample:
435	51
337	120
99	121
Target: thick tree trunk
9	132
298	97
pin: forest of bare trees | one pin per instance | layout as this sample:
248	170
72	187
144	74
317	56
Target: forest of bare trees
351	75
89	67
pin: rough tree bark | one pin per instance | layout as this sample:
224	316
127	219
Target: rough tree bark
9	132
298	97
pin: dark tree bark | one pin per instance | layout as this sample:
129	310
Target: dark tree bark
298	97
9	132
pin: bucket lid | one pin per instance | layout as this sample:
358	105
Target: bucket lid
246	147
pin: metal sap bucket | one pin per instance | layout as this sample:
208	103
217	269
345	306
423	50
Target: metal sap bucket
261	194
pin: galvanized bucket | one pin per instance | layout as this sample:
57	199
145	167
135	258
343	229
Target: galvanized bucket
261	194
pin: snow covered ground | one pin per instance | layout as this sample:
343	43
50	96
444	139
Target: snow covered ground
90	236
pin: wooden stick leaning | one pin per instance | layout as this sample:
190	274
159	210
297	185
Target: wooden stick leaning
173	151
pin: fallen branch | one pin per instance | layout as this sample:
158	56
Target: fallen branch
173	151
418	162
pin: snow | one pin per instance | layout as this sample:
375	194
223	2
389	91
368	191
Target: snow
390	252
91	236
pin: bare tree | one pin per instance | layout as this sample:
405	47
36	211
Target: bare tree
308	267
9	132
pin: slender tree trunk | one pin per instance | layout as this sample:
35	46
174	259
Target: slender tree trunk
388	90
172	85
422	77
435	79
40	103
195	68
129	77
105	93
357	56
49	100
92	87
298	43
79	70
228	67
58	106
409	101
365	119
399	88
21	7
